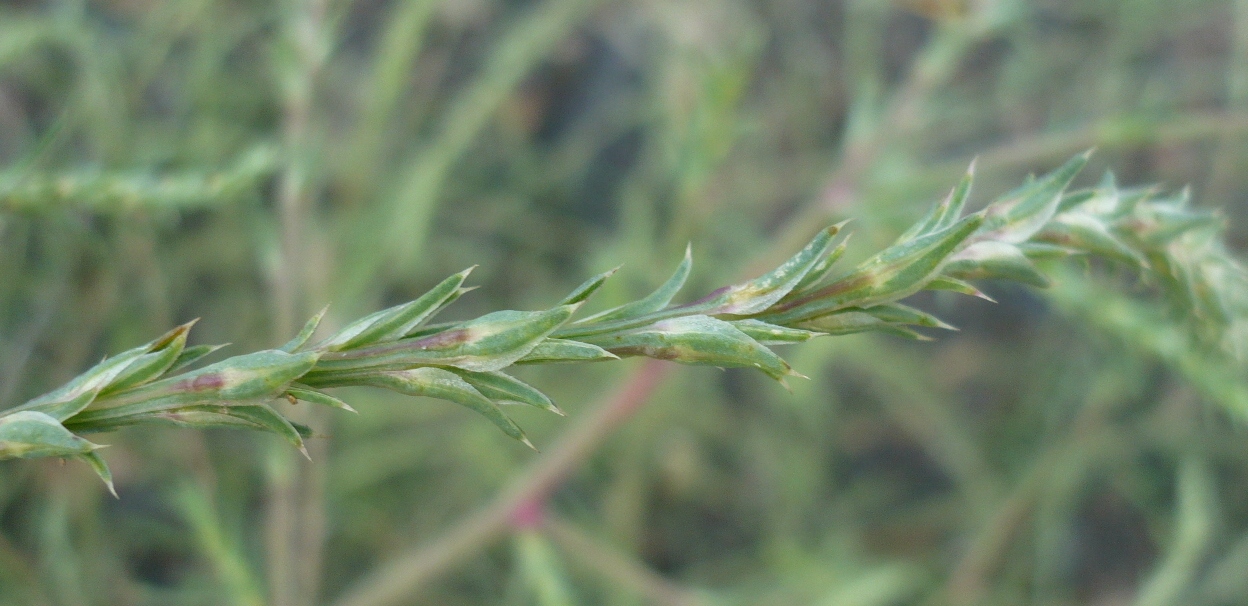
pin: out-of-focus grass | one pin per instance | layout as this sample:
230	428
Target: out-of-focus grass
1053	452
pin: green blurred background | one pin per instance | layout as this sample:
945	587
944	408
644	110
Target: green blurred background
247	162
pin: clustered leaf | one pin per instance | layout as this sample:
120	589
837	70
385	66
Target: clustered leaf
1172	245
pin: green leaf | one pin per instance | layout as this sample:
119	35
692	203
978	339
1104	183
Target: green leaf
29	434
854	320
253	416
696	340
191	355
958	286
563	350
761	293
653	302
491	342
771	334
101	469
77	394
445	385
269	420
1041	251
241	380
259	375
822	268
1085	232
306	333
946	213
896	313
1017	216
149	366
395	322
588	288
997	260
1162	223
894	273
316	397
505	389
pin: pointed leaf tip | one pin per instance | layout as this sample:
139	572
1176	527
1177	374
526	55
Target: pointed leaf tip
587	288
305	333
393	323
315	397
97	464
655	301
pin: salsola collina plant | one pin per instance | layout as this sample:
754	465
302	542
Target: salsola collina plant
1174	246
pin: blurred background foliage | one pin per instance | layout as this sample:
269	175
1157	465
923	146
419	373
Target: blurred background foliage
247	162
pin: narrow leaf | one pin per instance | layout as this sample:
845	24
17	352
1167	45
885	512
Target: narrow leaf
653	302
896	272
262	375
150	366
771	334
563	350
491	342
272	422
445	385
306	333
77	394
29	434
316	397
958	286
393	323
997	260
821	269
506	389
1019	215
191	355
896	313
101	469
851	321
1087	233
588	288
946	213
696	340
761	293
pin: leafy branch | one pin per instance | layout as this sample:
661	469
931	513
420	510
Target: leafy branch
1175	247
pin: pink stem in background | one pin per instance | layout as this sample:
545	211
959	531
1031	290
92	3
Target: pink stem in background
521	505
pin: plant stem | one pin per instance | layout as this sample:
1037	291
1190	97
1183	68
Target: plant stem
295	518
